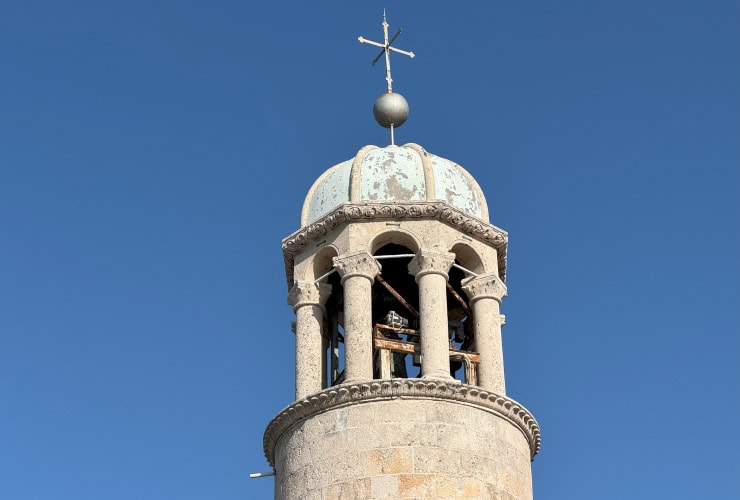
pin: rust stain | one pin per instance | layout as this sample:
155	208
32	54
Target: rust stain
414	483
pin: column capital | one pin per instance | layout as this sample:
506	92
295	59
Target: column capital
431	263
357	264
485	286
306	293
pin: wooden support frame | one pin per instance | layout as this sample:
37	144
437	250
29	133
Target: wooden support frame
385	346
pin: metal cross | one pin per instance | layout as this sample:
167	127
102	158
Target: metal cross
386	49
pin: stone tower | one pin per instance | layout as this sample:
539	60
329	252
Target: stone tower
396	277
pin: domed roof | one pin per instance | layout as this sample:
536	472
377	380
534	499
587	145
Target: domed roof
394	173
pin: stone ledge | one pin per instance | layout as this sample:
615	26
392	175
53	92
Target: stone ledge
383	390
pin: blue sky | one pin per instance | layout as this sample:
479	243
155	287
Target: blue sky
154	154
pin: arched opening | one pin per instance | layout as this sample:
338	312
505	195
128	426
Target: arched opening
467	258
395	303
459	313
334	334
321	263
321	270
394	237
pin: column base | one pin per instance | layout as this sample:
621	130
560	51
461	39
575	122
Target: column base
445	377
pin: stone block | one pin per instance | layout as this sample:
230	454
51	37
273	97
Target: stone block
427	486
412	434
361	416
427	459
377	436
387	460
470	488
398	413
360	488
384	486
449	437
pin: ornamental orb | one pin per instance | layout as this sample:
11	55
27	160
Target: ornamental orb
391	109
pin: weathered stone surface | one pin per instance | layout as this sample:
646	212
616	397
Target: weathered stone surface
451	445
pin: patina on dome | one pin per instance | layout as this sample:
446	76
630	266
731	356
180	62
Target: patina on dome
394	173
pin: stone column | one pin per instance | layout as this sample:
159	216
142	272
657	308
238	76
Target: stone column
308	301
430	270
358	270
485	293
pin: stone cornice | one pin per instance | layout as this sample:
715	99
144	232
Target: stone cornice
385	390
484	286
350	212
431	263
306	293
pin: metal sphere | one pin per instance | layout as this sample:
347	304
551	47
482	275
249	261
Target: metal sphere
391	109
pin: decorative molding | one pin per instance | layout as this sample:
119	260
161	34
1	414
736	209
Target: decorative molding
357	264
308	294
385	390
431	263
486	286
349	212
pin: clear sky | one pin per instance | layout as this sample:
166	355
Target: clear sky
153	154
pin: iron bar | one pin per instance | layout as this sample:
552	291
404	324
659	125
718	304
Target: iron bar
397	296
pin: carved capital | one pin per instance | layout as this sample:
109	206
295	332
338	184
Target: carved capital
306	293
357	264
486	286
431	263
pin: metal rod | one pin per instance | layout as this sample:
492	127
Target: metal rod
325	275
399	256
468	271
397	296
393	139
362	39
387	62
378	57
393	38
262	474
404	52
334	354
460	300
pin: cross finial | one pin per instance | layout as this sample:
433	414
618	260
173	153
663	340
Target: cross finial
390	110
386	47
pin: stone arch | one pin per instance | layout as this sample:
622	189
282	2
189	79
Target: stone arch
395	294
321	263
397	237
467	257
459	313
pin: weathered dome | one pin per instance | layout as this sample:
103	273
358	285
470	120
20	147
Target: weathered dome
394	173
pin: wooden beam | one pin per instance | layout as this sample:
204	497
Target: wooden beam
397	295
459	299
415	348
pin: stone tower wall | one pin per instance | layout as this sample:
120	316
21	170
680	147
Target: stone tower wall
435	441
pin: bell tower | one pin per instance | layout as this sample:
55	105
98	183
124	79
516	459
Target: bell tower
396	276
